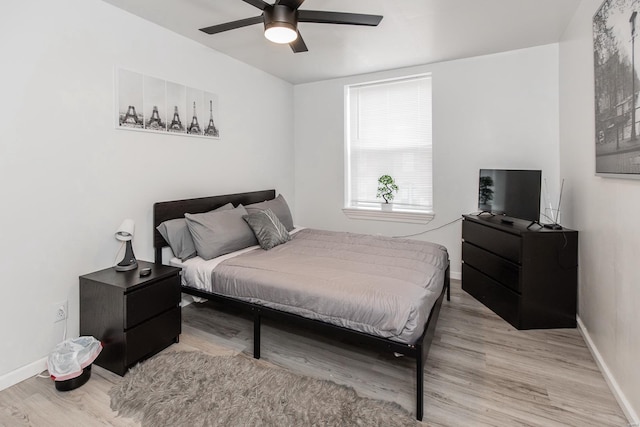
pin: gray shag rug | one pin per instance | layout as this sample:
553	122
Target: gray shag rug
197	389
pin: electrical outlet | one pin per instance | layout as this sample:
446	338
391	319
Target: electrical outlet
60	311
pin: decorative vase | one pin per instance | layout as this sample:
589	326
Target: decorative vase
386	207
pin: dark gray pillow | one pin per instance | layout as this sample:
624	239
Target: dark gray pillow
278	206
267	228
177	235
218	233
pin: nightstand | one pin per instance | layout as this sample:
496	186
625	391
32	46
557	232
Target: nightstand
134	317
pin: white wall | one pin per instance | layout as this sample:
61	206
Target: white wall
69	177
495	111
604	211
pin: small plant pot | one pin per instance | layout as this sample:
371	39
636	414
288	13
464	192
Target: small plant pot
386	207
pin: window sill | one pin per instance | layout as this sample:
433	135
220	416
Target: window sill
392	216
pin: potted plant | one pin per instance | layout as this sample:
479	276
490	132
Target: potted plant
386	189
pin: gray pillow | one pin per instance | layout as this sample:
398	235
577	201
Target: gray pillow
218	233
278	206
267	228
177	235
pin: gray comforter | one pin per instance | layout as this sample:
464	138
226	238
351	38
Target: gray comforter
377	285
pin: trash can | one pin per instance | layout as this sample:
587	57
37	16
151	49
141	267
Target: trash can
69	363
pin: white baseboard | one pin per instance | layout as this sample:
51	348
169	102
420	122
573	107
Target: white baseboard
628	410
23	373
456	275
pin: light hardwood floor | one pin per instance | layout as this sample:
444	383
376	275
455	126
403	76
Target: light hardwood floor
480	372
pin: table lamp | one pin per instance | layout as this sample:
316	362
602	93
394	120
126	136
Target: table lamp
125	234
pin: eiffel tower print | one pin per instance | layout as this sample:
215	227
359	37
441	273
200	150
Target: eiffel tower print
154	121
194	127
176	124
211	129
131	118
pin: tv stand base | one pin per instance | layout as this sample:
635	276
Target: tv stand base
553	226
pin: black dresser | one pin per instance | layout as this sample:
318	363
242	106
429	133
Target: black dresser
528	276
134	317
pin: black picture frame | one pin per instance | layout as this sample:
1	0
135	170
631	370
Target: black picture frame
617	129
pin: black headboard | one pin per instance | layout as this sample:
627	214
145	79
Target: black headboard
163	211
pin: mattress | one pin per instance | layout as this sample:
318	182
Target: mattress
377	285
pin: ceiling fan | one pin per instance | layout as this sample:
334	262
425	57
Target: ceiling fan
281	21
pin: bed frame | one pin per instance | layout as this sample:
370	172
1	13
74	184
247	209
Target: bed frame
419	350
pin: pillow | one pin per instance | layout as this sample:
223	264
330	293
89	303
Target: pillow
218	233
267	228
177	235
278	206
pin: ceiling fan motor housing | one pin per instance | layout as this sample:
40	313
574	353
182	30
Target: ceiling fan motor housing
280	16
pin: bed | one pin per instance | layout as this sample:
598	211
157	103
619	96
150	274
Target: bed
316	279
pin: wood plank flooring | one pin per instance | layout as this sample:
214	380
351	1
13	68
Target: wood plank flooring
480	372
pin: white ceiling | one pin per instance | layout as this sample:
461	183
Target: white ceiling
412	32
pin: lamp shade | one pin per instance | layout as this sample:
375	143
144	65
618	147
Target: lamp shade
125	231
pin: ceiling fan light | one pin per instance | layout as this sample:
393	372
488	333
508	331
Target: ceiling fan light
280	32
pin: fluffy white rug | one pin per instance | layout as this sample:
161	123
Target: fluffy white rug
196	389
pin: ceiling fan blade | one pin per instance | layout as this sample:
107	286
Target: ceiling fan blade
293	4
232	25
298	45
258	3
323	17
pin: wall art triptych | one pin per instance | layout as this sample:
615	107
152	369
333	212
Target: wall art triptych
147	103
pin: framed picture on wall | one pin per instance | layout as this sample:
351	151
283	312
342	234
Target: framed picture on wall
195	99
155	100
211	102
130	111
150	104
176	107
617	132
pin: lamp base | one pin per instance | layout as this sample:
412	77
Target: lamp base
126	266
129	261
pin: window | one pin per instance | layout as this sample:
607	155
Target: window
389	133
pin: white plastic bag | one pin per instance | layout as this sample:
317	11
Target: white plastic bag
70	357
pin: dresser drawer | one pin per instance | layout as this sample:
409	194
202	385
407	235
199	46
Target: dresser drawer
503	301
500	243
498	268
152	336
146	302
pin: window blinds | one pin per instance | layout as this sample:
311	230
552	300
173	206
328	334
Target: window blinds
389	133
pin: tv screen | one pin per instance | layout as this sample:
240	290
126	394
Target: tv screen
513	193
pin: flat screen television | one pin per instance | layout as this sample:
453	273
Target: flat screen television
513	193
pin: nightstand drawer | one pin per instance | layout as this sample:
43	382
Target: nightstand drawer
500	269
500	243
152	336
146	302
